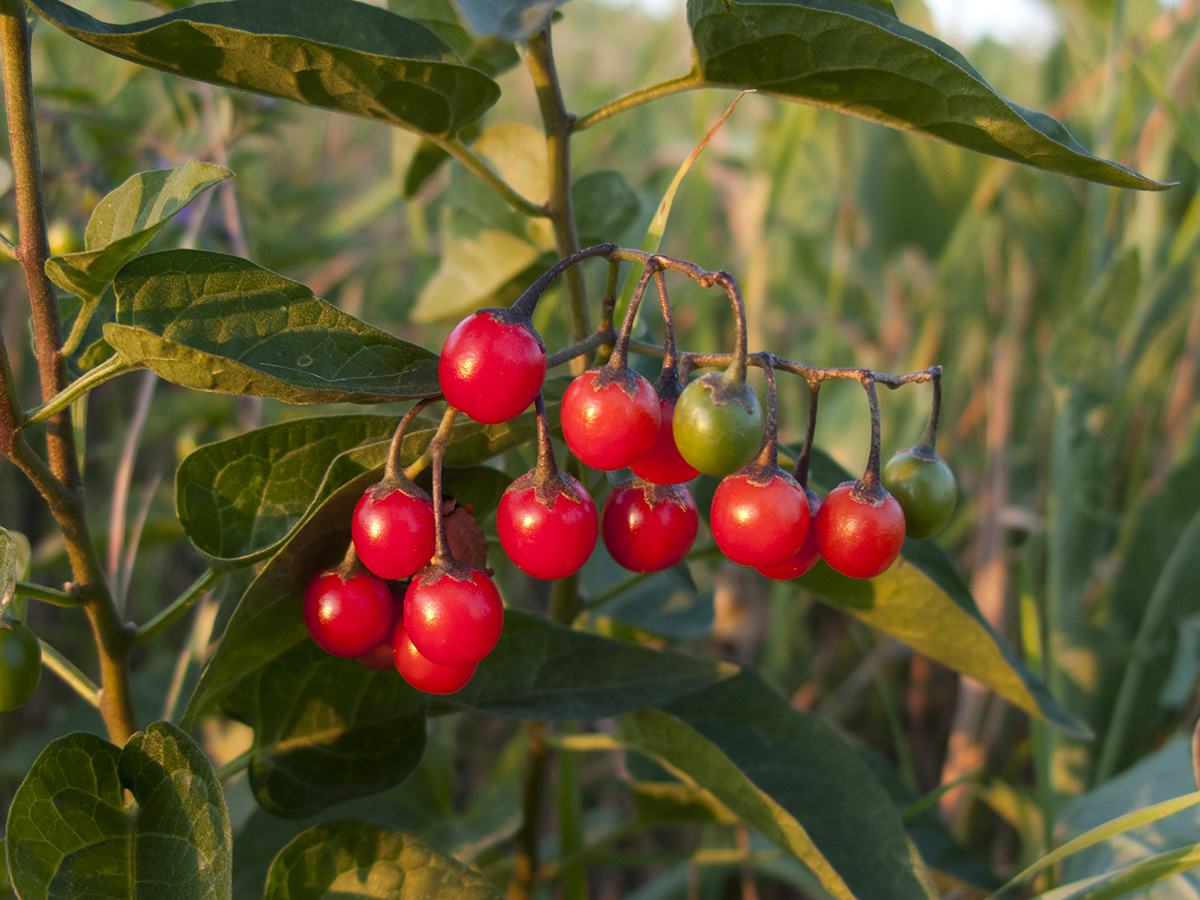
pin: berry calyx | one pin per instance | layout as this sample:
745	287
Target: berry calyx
347	612
610	417
422	674
663	463
806	557
453	613
924	486
392	529
20	663
649	527
547	530
860	529
492	365
718	424
759	515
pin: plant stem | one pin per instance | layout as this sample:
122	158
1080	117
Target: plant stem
71	676
557	124
59	482
178	607
533	786
477	167
690	81
110	368
47	595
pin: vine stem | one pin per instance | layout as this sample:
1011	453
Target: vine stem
557	124
59	481
70	675
688	82
178	607
477	167
46	595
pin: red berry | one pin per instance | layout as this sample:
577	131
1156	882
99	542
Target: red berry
347	616
808	554
610	417
451	620
759	516
380	657
859	537
649	527
393	533
425	675
547	539
491	368
662	463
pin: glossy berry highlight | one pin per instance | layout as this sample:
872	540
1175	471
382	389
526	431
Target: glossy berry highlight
453	620
347	616
663	463
924	486
393	531
547	538
424	675
649	527
610	417
806	557
492	366
759	516
860	536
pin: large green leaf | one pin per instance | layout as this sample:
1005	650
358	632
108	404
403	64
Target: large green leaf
239	499
213	322
359	861
337	54
127	220
541	670
924	602
326	730
790	776
859	59
71	834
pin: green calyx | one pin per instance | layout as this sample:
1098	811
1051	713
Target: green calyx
718	424
923	484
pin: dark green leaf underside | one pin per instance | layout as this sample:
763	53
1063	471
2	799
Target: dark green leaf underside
860	60
337	54
214	322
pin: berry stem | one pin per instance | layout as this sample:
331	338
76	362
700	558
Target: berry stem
441	436
524	305
929	439
668	386
802	464
620	352
868	486
393	467
768	456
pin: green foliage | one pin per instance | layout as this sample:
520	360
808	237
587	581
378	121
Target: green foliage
70	832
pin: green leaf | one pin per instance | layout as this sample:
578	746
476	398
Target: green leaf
606	206
859	59
791	777
490	54
240	499
14	562
337	54
213	322
923	601
487	244
127	220
326	730
541	670
358	861
70	833
513	20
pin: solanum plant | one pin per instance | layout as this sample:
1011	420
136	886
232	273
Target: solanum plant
340	539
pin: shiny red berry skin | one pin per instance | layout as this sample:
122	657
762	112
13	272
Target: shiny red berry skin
648	527
806	557
425	675
759	516
662	463
604	426
453	622
347	617
858	538
491	369
380	657
393	535
548	542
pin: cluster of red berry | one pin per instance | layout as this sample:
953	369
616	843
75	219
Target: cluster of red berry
492	368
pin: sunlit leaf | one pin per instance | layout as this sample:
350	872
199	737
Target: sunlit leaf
337	54
859	59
